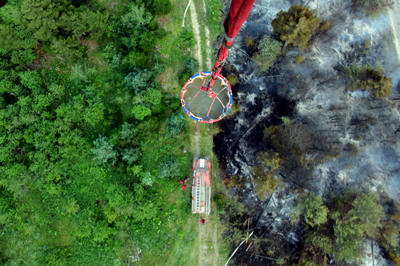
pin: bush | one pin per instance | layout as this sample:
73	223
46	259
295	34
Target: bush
268	52
169	167
369	78
232	79
185	39
296	26
264	174
191	66
299	59
161	7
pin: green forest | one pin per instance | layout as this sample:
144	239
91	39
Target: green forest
93	141
89	140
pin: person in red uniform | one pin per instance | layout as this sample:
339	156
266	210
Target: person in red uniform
202	221
183	186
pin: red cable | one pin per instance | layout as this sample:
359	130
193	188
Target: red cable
238	13
209	110
220	101
197	93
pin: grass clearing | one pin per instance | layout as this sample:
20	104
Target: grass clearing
214	17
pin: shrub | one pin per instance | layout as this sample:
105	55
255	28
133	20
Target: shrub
249	42
296	26
299	59
232	79
369	78
186	39
161	7
191	66
268	51
264	174
169	167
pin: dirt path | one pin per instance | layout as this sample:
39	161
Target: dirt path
195	141
196	33
206	249
208	44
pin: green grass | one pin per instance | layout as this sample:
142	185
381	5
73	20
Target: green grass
214	17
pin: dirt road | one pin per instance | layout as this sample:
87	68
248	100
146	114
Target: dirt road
206	249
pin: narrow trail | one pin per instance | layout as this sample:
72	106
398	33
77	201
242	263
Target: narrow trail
195	141
196	33
206	249
208	44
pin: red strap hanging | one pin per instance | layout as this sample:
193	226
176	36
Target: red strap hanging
238	13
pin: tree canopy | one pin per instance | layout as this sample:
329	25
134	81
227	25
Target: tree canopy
83	143
296	26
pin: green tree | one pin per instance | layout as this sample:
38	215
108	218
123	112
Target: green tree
367	213
313	210
42	18
176	123
136	17
153	97
94	114
320	240
103	151
268	52
140	112
296	26
139	80
130	155
127	131
361	221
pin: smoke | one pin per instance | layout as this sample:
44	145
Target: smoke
356	137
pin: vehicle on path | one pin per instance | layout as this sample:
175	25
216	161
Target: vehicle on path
201	186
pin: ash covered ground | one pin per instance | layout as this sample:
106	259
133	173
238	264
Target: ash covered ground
349	139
